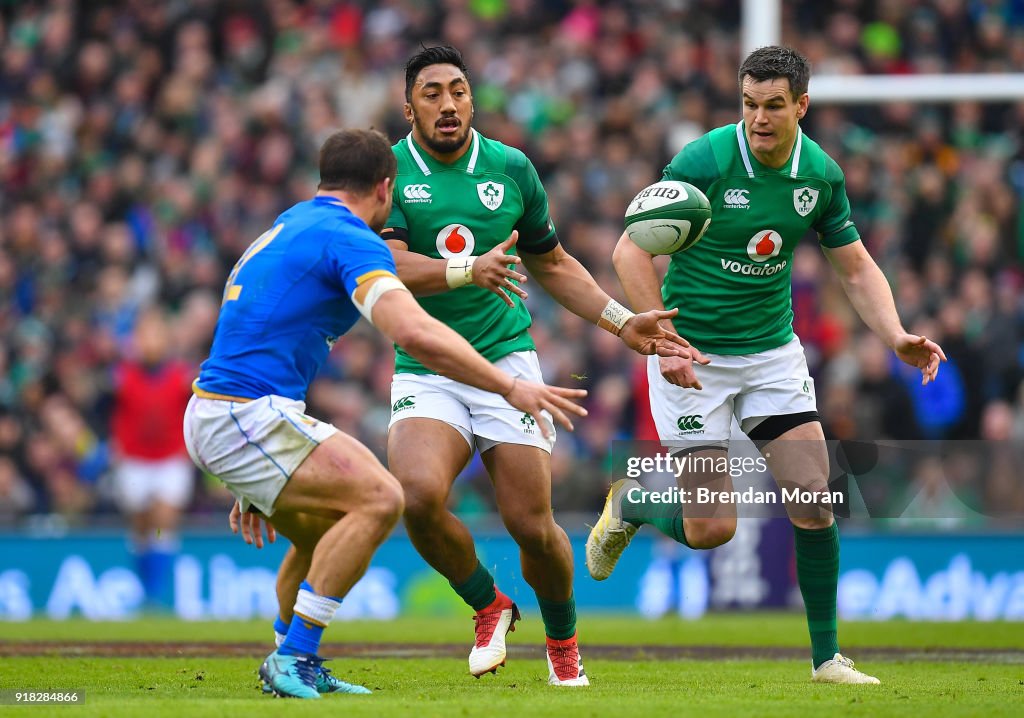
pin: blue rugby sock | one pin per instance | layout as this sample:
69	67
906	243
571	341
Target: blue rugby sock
280	630
313	613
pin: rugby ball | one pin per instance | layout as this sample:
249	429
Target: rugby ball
668	217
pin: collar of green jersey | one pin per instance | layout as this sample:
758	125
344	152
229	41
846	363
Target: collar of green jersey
749	160
428	164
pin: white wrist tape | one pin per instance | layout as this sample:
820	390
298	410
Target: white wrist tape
459	271
614	317
378	289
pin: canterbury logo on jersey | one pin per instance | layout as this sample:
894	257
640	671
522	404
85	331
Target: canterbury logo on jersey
693	422
417	193
737	199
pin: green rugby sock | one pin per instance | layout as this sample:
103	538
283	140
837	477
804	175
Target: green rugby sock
559	617
478	590
817	572
667	518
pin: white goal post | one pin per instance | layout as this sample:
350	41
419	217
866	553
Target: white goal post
762	25
871	89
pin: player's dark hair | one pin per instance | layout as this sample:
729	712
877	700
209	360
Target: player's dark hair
775	61
356	161
438	55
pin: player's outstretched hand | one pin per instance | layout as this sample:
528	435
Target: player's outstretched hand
250	525
491	271
921	352
533	398
644	334
679	370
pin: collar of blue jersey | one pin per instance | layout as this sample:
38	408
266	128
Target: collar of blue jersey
331	200
474	152
741	139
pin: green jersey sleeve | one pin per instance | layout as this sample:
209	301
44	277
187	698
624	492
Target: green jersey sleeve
695	163
835	228
397	226
396	219
536	230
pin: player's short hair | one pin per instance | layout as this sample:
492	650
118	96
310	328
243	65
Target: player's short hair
355	160
774	61
438	55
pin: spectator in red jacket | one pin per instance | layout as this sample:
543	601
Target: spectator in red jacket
153	476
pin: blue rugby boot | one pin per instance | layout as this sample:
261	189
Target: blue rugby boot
291	676
327	683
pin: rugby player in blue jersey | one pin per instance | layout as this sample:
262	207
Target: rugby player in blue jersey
297	289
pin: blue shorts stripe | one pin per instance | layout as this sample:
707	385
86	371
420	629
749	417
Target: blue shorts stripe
289	420
253	443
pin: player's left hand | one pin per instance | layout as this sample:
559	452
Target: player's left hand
644	334
250	525
921	352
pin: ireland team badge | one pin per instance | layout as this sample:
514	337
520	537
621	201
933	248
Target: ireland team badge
491	194
804	200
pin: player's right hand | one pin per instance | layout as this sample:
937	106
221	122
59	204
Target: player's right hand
679	371
534	398
491	271
250	525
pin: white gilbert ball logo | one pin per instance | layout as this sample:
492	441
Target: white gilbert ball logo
455	240
657	195
764	245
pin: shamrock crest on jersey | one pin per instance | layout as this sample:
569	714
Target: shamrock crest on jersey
491	194
804	200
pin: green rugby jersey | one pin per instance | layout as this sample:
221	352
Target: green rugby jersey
463	209
733	289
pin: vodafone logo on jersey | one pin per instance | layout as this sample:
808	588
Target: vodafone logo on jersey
455	240
764	245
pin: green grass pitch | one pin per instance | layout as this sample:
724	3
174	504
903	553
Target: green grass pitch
933	669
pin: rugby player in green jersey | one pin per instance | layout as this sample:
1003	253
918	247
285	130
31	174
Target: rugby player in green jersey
462	204
768	185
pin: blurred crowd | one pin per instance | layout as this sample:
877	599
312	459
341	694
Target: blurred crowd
144	144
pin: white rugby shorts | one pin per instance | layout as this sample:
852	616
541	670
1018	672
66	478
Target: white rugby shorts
254	447
139	483
749	387
483	419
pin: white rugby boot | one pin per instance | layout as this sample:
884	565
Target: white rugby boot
611	535
839	669
565	667
492	623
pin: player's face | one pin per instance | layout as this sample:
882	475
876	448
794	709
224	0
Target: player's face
770	117
440	109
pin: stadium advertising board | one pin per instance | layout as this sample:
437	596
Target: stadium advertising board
917	577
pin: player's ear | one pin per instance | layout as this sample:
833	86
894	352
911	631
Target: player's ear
407	109
802	104
384	189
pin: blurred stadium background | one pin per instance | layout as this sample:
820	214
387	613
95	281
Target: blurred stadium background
144	144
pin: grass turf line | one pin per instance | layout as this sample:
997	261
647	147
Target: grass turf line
173	687
753	629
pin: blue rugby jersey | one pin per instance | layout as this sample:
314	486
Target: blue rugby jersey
288	300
